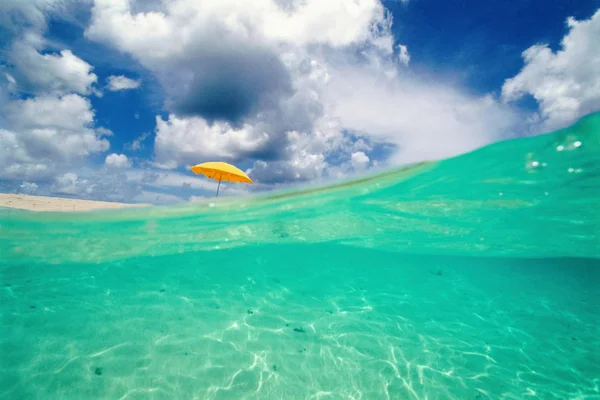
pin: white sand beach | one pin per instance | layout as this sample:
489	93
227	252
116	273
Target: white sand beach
42	203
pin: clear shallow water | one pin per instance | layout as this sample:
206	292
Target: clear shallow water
475	277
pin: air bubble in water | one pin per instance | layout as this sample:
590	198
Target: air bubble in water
532	163
569	143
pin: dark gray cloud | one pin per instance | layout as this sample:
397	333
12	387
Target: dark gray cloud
229	83
273	109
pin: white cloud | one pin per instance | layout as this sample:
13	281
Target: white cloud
228	57
295	137
12	83
16	162
168	31
359	160
31	13
104	132
117	83
303	167
311	22
258	54
11	80
28	187
68	112
424	120
566	84
404	56
193	140
137	144
52	131
49	73
71	184
117	161
47	135
94	184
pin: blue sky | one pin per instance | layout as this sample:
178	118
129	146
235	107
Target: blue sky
290	91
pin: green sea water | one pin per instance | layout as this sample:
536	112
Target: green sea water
475	277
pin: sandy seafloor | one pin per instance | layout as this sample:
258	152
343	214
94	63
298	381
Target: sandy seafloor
310	321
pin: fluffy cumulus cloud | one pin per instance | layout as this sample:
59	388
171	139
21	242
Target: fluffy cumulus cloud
120	82
359	160
28	187
286	87
47	124
138	143
35	64
565	83
61	72
404	56
117	161
18	14
69	112
71	184
107	185
188	140
47	134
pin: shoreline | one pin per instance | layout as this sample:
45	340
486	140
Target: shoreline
53	204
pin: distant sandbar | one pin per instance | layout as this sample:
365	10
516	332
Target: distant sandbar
42	203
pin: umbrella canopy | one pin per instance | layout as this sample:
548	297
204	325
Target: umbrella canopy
220	171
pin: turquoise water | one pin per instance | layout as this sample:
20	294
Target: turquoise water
470	278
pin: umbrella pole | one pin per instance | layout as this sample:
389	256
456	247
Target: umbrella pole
219	186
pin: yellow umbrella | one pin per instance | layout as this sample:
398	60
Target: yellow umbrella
220	171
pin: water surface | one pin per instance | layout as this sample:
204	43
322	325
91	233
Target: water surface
469	278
